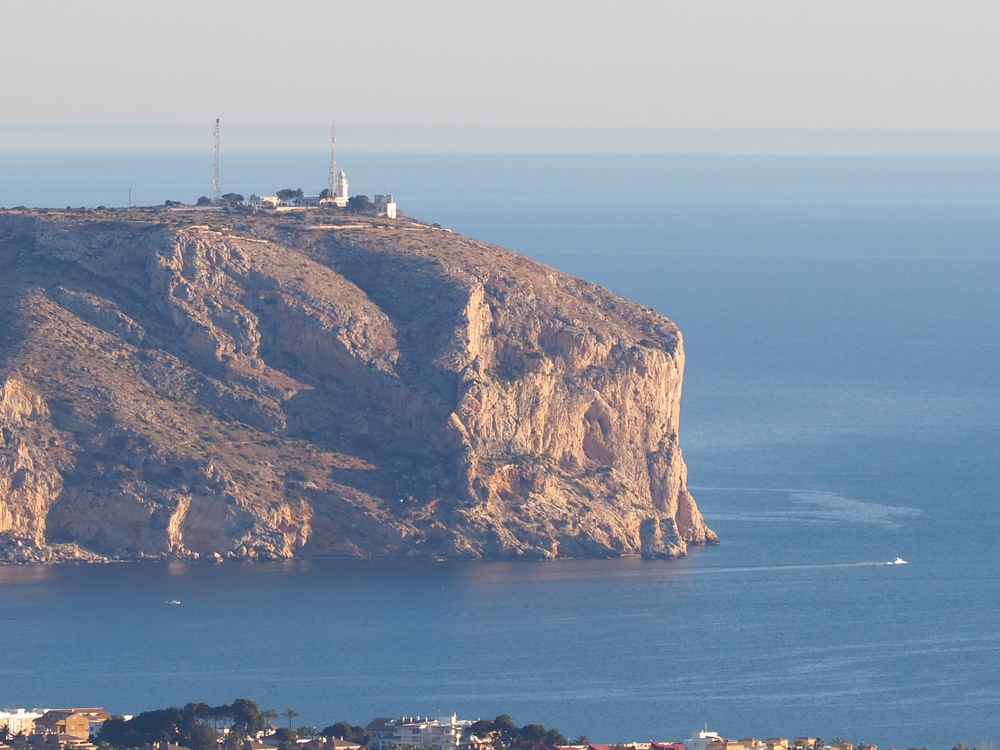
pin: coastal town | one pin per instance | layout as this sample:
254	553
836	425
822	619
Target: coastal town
245	727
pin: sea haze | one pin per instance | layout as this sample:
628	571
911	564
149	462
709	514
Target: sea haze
841	408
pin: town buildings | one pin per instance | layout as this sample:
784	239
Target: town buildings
18	720
63	721
444	733
76	722
75	728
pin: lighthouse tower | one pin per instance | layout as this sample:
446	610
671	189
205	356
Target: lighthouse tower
340	188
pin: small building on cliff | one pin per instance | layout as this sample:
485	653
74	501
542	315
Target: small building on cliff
385	205
264	201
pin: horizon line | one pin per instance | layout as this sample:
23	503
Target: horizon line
51	139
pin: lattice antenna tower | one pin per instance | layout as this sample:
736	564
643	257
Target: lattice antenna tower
216	185
332	186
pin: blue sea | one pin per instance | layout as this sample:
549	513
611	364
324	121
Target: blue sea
841	407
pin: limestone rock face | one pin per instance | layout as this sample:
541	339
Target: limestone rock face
293	390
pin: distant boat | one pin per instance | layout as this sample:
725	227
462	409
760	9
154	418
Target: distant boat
897	561
173	601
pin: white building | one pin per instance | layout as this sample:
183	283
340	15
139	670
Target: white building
701	740
340	188
270	201
385	206
19	720
444	733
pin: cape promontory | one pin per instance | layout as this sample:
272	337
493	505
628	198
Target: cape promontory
181	385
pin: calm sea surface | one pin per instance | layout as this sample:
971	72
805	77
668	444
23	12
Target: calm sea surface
841	407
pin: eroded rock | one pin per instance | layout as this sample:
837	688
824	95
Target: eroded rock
181	392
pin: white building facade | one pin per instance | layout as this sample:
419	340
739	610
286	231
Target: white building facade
385	206
701	740
18	720
444	733
340	189
270	201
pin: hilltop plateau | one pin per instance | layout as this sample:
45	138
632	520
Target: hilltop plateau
182	385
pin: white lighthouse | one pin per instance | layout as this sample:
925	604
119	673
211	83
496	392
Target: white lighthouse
340	189
338	192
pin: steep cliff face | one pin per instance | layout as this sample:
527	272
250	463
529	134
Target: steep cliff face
291	390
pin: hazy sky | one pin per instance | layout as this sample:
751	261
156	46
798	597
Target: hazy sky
693	64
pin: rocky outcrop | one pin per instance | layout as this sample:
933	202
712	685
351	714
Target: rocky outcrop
261	390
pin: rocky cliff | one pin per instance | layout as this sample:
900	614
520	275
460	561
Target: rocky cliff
273	387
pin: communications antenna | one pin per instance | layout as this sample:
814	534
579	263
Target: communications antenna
332	186
216	186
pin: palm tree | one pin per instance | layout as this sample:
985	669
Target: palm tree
268	714
290	713
307	731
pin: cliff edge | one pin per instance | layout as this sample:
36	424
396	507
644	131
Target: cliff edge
268	387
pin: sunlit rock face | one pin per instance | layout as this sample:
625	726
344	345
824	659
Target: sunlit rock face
266	390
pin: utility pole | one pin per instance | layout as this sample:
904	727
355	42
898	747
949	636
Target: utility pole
216	186
130	197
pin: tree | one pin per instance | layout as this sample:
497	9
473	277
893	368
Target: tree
269	714
187	727
480	728
533	733
290	713
232	199
581	740
201	736
307	731
246	717
326	193
359	204
555	737
204	201
287	194
503	723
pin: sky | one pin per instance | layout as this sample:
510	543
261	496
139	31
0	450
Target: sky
720	65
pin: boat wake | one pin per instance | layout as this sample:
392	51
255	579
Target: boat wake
808	566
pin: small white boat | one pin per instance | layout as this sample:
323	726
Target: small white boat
172	601
897	561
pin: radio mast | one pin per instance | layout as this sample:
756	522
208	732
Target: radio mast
332	182
216	186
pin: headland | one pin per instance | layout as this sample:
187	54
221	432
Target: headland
238	383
